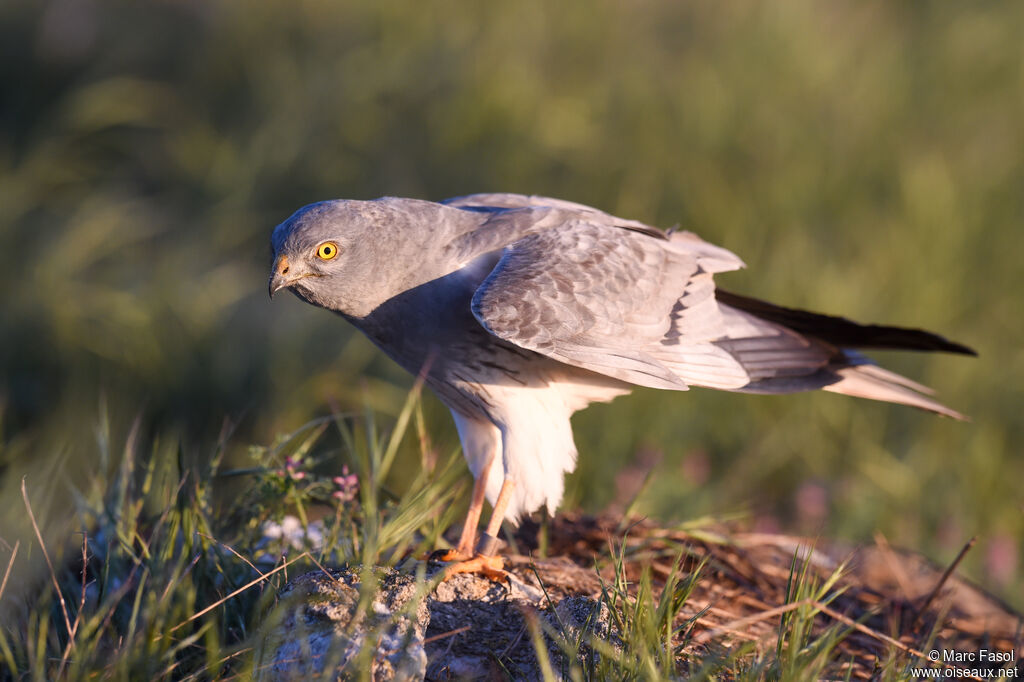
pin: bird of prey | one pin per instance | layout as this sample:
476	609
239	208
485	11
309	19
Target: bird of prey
521	310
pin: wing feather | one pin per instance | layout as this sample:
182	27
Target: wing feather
623	299
572	284
589	295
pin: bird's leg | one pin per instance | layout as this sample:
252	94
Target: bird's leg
489	540
476	506
486	561
464	550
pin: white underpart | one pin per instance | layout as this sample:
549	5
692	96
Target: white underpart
531	438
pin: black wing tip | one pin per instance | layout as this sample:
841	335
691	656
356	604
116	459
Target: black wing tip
901	338
844	333
959	348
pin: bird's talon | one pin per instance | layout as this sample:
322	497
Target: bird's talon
491	567
448	555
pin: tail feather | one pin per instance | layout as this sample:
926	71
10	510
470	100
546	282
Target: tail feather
869	368
827	362
871	381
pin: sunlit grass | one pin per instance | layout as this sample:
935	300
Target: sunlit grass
169	584
171	580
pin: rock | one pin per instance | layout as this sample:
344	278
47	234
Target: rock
576	622
470	628
478	630
467	628
322	628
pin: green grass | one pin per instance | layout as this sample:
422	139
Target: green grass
171	581
175	580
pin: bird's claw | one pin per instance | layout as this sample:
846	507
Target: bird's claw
448	555
491	567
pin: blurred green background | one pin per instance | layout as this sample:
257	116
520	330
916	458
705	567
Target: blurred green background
865	159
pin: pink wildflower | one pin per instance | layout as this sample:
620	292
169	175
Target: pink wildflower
291	466
347	484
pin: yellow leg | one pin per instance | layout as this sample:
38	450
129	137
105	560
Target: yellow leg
467	540
500	505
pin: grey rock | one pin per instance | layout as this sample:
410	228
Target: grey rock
576	622
466	628
328	624
479	631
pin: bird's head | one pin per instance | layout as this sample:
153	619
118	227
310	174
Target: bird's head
351	256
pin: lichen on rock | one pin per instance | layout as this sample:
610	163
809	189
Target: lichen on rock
327	621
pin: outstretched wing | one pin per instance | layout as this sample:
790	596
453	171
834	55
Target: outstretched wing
620	298
623	299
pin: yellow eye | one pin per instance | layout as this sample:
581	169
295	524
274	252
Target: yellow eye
327	250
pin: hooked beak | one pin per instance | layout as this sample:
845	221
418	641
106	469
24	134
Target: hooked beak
279	276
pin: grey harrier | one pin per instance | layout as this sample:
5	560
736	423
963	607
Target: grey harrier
525	309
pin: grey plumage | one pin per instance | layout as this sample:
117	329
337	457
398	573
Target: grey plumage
529	308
